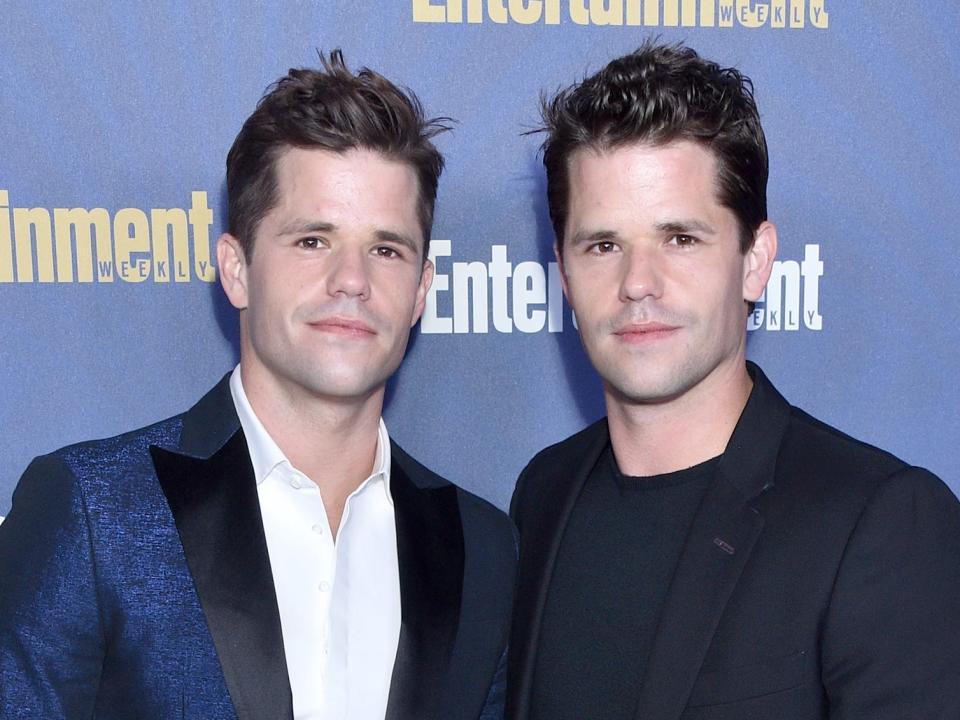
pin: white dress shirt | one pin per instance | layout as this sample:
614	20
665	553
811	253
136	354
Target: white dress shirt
339	601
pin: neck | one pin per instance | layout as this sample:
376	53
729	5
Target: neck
332	441
661	437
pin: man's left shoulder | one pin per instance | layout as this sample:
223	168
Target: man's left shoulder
843	464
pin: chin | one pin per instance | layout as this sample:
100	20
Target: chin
653	390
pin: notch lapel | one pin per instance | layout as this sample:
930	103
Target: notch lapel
718	545
430	553
217	513
540	541
722	536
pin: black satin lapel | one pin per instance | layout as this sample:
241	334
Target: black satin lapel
717	548
539	544
217	514
430	552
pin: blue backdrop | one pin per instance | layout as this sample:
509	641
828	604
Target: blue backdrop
117	118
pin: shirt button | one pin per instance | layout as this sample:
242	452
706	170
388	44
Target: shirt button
318	529
295	483
324	586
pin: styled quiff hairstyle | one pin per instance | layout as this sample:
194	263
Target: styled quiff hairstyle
329	109
655	95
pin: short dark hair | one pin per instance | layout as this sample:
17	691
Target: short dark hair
657	94
330	109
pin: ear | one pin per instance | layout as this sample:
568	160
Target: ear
233	270
758	261
426	280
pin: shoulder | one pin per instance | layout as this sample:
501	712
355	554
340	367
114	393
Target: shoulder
814	449
559	461
826	446
118	454
823	472
561	454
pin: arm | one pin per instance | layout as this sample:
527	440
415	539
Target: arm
891	646
51	641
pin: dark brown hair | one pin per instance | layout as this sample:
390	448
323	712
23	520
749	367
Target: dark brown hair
658	94
330	109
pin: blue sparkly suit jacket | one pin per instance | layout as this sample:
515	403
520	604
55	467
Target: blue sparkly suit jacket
135	583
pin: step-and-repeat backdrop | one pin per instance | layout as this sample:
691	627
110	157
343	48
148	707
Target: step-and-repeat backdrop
117	117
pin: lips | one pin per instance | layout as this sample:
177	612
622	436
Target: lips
645	332
347	327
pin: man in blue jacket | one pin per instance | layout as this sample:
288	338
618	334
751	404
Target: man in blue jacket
271	553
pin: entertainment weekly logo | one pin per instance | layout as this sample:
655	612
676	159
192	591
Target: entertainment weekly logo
720	14
478	297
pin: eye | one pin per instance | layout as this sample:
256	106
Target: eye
309	243
602	248
385	251
684	240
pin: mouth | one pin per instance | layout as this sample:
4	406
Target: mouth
344	326
639	333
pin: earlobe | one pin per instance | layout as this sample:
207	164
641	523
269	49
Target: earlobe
758	261
426	280
233	270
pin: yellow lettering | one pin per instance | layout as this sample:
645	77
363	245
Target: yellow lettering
798	13
708	12
726	13
131	233
671	13
475	11
651	13
578	12
26	224
426	12
164	225
752	14
778	13
6	243
606	12
497	11
201	218
77	223
526	12
553	12
819	17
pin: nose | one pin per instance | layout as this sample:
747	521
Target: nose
349	274
642	276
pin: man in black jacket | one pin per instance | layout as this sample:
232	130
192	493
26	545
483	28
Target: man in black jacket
707	550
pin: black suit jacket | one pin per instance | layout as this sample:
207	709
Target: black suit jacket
820	579
135	582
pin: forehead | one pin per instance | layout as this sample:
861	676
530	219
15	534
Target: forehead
356	184
678	174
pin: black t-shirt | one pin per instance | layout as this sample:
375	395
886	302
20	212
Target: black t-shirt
614	567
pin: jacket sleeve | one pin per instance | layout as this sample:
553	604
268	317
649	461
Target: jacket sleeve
51	639
891	642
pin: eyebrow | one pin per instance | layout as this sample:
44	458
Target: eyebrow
681	227
300	227
580	237
398	239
